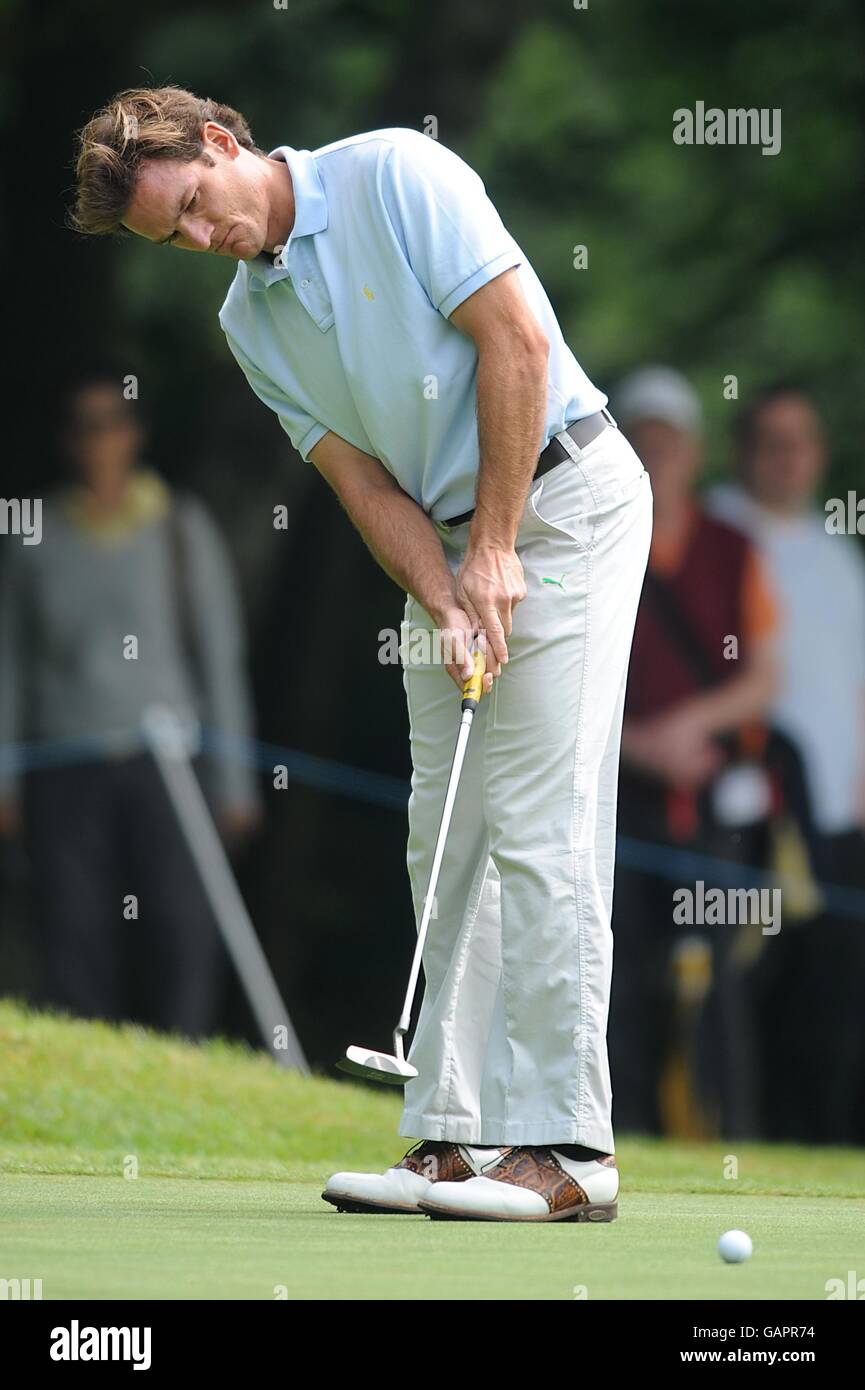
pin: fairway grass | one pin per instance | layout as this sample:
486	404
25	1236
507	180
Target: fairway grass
231	1153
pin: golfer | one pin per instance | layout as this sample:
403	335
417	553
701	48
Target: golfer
383	311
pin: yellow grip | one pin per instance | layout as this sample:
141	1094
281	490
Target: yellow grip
474	686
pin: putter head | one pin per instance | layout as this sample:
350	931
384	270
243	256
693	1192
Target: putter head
376	1066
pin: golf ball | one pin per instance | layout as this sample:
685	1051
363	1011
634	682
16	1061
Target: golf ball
735	1247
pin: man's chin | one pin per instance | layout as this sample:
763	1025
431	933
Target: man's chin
242	247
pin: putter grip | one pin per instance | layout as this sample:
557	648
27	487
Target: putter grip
474	686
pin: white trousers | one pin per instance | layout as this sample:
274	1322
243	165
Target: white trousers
510	1044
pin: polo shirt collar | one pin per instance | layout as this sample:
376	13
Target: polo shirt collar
310	214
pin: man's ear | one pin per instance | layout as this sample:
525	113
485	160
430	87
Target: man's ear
219	139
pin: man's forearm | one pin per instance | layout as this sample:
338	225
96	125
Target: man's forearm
727	707
404	541
512	397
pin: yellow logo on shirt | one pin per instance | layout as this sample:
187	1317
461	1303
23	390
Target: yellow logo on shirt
368	292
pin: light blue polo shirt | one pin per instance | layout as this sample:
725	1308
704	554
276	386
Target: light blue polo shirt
346	329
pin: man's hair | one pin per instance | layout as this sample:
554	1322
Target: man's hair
140	123
748	419
104	373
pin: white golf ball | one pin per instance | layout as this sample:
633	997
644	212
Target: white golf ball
735	1247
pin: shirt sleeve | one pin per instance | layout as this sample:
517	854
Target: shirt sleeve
760	615
449	229
220	647
303	431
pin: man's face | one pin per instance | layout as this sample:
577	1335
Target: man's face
786	457
103	435
218	202
671	457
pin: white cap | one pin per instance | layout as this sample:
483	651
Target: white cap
658	393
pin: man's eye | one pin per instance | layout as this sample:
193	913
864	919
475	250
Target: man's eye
191	203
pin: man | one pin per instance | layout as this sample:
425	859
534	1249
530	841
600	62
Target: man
692	706
383	311
814	1076
120	558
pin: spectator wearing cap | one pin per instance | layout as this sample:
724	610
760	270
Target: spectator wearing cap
701	675
812	981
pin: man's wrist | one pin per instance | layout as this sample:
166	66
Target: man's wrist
442	607
490	533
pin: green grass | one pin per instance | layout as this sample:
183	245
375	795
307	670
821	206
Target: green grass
231	1152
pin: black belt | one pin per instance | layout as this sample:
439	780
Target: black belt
582	432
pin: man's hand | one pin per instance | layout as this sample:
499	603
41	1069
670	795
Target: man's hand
676	748
238	823
490	583
458	632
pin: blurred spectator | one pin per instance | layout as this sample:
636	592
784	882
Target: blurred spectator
701	673
121	558
813	979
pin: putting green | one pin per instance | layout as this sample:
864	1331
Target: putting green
231	1154
182	1238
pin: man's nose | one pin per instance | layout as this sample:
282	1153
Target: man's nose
198	233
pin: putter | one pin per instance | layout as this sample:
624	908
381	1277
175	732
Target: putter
393	1068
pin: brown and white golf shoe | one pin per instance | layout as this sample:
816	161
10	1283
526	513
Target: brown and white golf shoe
531	1184
400	1189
